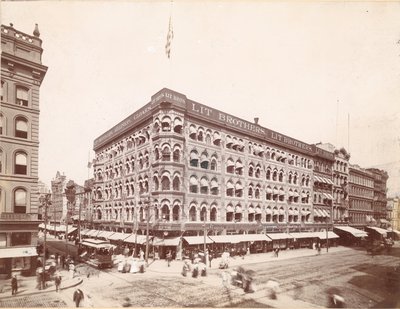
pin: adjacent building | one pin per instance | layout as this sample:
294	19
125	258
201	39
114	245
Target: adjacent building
22	74
393	209
340	183
361	196
379	211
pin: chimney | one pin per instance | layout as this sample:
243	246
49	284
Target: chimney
256	120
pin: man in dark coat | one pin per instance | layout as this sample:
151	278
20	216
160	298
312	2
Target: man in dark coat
78	297
14	285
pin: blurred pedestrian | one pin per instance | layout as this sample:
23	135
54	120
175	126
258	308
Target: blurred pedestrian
57	281
319	248
141	255
169	258
14	285
78	297
210	257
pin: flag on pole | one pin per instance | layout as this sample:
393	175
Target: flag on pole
170	36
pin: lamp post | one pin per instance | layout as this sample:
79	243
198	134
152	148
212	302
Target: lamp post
70	194
45	202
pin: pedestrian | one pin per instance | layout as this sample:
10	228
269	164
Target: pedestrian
57	281
319	248
71	270
169	258
210	258
78	297
277	252
14	285
141	255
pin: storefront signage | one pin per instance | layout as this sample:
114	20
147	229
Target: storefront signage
123	125
323	153
248	127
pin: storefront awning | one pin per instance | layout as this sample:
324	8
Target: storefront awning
194	156
301	235
138	239
383	232
92	233
351	230
277	236
322	235
197	240
166	242
238	165
105	234
84	232
118	236
17	252
234	239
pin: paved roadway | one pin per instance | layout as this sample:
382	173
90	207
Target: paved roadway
360	278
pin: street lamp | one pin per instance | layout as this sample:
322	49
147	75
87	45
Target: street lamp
45	202
70	194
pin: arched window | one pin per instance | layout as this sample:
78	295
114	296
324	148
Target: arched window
280	177
2	93
176	155
229	213
166	124
193	184
204	160
194	158
251	170
99	215
166	154
203	214
200	136
213	165
20	167
21	128
213	214
20	201
22	97
165	183
192	214
176	183
203	185
165	213
175	213
268	174
178	125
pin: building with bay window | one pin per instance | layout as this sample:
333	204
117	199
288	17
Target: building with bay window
22	73
183	167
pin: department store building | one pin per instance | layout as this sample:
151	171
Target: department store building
178	167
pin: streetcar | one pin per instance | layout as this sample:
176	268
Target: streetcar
97	253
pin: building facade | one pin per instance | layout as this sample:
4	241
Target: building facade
380	199
340	183
58	209
22	73
361	196
183	167
393	209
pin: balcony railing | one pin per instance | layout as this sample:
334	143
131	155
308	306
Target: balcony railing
10	216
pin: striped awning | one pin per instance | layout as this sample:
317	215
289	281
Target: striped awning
353	231
197	240
277	236
118	236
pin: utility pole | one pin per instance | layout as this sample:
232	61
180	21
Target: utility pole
147	206
70	194
45	202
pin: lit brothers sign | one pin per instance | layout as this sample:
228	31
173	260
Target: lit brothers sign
248	127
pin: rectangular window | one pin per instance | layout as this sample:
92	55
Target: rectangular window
22	97
20	169
20	239
3	239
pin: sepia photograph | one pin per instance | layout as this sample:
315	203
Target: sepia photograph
208	154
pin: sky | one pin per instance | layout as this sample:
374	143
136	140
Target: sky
317	71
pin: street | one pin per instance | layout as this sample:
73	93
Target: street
360	279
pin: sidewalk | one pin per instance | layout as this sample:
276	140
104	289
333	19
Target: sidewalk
161	266
28	285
